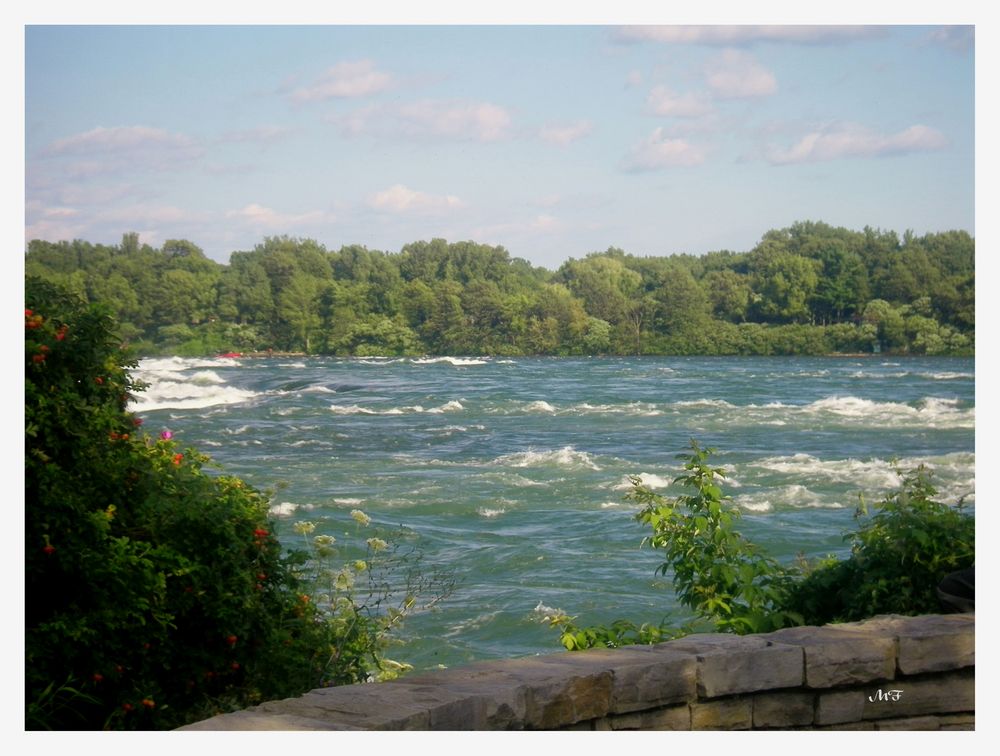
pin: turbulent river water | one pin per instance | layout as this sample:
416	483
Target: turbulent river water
512	473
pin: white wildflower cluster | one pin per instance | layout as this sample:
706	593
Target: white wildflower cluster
304	527
360	517
376	544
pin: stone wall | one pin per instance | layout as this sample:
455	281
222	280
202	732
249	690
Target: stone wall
887	673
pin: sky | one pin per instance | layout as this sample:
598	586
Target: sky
552	140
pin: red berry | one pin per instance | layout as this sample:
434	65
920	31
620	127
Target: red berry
231	640
49	548
235	665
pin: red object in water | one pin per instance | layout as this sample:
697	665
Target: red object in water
231	354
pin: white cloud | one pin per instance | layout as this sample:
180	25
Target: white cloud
401	199
263	134
852	140
663	102
563	134
745	35
955	38
53	223
433	119
121	139
633	79
738	75
121	150
259	216
356	78
658	151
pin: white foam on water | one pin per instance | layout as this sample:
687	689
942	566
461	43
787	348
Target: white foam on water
451	406
565	457
287	508
946	376
414	409
489	513
539	406
348	502
707	403
170	385
931	412
795	495
644	409
457	361
649	480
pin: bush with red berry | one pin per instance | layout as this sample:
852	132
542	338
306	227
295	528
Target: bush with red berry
155	593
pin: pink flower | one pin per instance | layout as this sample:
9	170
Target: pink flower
166	435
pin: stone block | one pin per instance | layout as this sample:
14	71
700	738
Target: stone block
729	664
783	709
839	707
945	693
725	714
672	718
958	721
836	657
247	720
651	677
926	643
923	724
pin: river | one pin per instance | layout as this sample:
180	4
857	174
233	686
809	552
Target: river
512	473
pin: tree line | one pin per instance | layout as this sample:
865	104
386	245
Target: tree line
810	288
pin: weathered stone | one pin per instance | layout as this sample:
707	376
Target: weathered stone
835	656
249	720
502	694
659	675
730	664
373	707
783	709
845	726
755	681
927	643
942	694
910	723
958	721
840	706
726	714
672	718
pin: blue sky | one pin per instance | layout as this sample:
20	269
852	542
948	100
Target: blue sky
553	141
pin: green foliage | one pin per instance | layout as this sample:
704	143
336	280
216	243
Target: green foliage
156	593
717	572
915	295
898	557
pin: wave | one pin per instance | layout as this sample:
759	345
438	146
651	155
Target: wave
355	409
457	361
931	411
649	480
172	395
490	513
185	363
947	376
565	457
287	508
954	474
795	495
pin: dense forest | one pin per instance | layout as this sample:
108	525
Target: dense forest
808	289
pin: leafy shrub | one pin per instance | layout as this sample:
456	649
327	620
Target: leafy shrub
156	594
899	556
